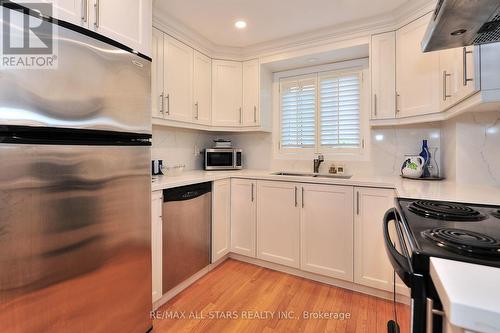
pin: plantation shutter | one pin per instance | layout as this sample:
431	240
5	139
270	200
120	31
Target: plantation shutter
298	112
339	101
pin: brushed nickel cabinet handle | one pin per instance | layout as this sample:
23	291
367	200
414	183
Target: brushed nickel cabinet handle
397	103
96	9
375	105
241	115
197	114
85	10
161	103
255	114
167	111
295	196
303	197
465	78
253	197
445	93
357	202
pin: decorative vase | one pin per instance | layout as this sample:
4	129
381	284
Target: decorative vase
426	155
432	166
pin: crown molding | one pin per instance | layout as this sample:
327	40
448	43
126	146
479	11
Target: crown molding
170	25
345	33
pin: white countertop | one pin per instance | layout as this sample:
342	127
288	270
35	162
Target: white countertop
405	188
470	294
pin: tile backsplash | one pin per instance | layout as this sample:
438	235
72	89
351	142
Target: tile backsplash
468	149
387	149
178	146
472	150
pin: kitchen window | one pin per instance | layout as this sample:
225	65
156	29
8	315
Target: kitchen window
322	112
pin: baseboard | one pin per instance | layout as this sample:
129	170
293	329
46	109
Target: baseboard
323	279
185	284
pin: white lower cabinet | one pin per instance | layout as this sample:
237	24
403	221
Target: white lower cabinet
326	230
243	217
221	218
371	265
278	223
156	243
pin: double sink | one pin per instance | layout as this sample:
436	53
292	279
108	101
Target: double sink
313	175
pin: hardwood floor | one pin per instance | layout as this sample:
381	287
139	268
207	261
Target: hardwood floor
226	298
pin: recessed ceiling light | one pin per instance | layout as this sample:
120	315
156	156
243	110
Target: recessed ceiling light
312	59
240	24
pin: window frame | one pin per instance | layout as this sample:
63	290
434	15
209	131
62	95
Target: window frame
359	67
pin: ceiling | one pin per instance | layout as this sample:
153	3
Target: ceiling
268	20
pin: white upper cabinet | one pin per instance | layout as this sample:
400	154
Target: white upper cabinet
278	223
227	93
72	11
221	218
371	264
457	68
417	73
126	21
327	230
157	100
383	65
202	88
251	89
177	80
243	216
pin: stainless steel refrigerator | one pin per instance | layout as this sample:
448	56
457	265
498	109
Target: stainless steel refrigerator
75	191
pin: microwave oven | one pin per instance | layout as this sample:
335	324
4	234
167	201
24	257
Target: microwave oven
223	159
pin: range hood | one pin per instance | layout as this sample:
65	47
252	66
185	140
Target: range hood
458	23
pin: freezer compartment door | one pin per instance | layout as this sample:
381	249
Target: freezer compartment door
75	249
94	86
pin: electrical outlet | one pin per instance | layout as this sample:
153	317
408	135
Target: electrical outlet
196	150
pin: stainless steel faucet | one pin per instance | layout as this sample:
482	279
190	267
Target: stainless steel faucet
317	162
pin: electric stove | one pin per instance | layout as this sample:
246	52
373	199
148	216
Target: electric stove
456	231
449	230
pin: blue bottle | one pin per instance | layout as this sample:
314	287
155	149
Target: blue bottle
426	155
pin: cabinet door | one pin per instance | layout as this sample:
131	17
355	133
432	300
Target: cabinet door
227	90
72	11
126	21
178	80
221	218
417	73
278	223
202	88
157	100
371	264
156	243
327	230
383	68
243	216
251	92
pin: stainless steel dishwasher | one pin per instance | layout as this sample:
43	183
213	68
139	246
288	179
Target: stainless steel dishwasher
187	214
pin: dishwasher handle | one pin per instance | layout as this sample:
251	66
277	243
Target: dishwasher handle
186	192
